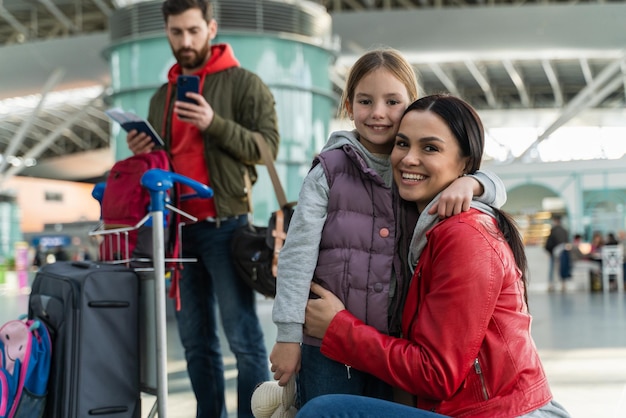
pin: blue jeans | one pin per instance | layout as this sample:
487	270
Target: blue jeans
320	375
351	406
206	285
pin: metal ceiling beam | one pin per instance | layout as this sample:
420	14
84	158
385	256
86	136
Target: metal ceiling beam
445	79
589	96
40	135
56	12
355	5
482	81
606	90
100	115
69	134
11	20
335	5
37	150
584	96
553	79
406	4
16	141
518	81
92	125
86	123
586	69
103	7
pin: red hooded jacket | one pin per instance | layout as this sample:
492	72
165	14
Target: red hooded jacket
187	149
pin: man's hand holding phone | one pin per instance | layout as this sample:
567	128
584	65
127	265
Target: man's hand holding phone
186	84
190	106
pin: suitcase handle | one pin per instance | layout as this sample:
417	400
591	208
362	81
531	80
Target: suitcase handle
83	264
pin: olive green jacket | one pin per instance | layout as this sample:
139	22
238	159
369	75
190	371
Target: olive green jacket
243	104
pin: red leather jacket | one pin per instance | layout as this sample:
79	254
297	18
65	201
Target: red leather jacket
467	350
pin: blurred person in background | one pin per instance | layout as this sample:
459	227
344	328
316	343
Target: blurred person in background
558	235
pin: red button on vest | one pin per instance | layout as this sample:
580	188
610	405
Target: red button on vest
384	232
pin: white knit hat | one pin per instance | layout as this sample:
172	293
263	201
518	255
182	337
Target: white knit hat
272	401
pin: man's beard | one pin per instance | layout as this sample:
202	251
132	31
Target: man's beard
195	61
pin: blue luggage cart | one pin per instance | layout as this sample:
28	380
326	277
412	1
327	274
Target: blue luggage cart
158	182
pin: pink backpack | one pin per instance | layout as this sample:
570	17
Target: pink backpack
25	356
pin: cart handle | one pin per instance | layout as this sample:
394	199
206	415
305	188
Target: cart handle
158	181
98	191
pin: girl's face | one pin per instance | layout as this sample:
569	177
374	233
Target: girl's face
426	157
379	101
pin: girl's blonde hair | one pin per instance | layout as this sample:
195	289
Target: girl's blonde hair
387	58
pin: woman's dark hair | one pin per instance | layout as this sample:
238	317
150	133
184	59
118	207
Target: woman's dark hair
467	128
511	233
176	7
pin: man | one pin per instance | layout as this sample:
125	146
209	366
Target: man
575	253
558	235
212	142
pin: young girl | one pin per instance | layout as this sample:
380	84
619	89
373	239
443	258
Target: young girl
343	233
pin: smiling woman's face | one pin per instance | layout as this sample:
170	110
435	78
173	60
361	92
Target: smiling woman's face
426	157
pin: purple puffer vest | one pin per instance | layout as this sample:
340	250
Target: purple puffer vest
357	247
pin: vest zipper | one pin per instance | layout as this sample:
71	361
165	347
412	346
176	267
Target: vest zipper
348	370
479	372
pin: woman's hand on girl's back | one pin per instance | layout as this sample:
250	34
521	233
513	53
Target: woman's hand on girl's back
320	312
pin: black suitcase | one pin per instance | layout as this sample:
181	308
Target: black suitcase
91	310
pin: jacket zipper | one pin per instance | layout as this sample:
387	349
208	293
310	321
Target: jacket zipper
348	370
479	372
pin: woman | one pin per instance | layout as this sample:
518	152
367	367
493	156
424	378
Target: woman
466	349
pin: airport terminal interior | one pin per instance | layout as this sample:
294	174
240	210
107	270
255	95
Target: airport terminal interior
548	79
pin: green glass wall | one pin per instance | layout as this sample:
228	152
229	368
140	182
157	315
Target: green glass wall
295	71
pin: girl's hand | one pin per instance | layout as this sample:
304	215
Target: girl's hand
456	198
285	359
320	312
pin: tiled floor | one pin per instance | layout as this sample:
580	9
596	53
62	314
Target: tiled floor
581	338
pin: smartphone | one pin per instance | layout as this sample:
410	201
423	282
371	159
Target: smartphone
186	83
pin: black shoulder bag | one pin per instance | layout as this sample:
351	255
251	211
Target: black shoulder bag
254	248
